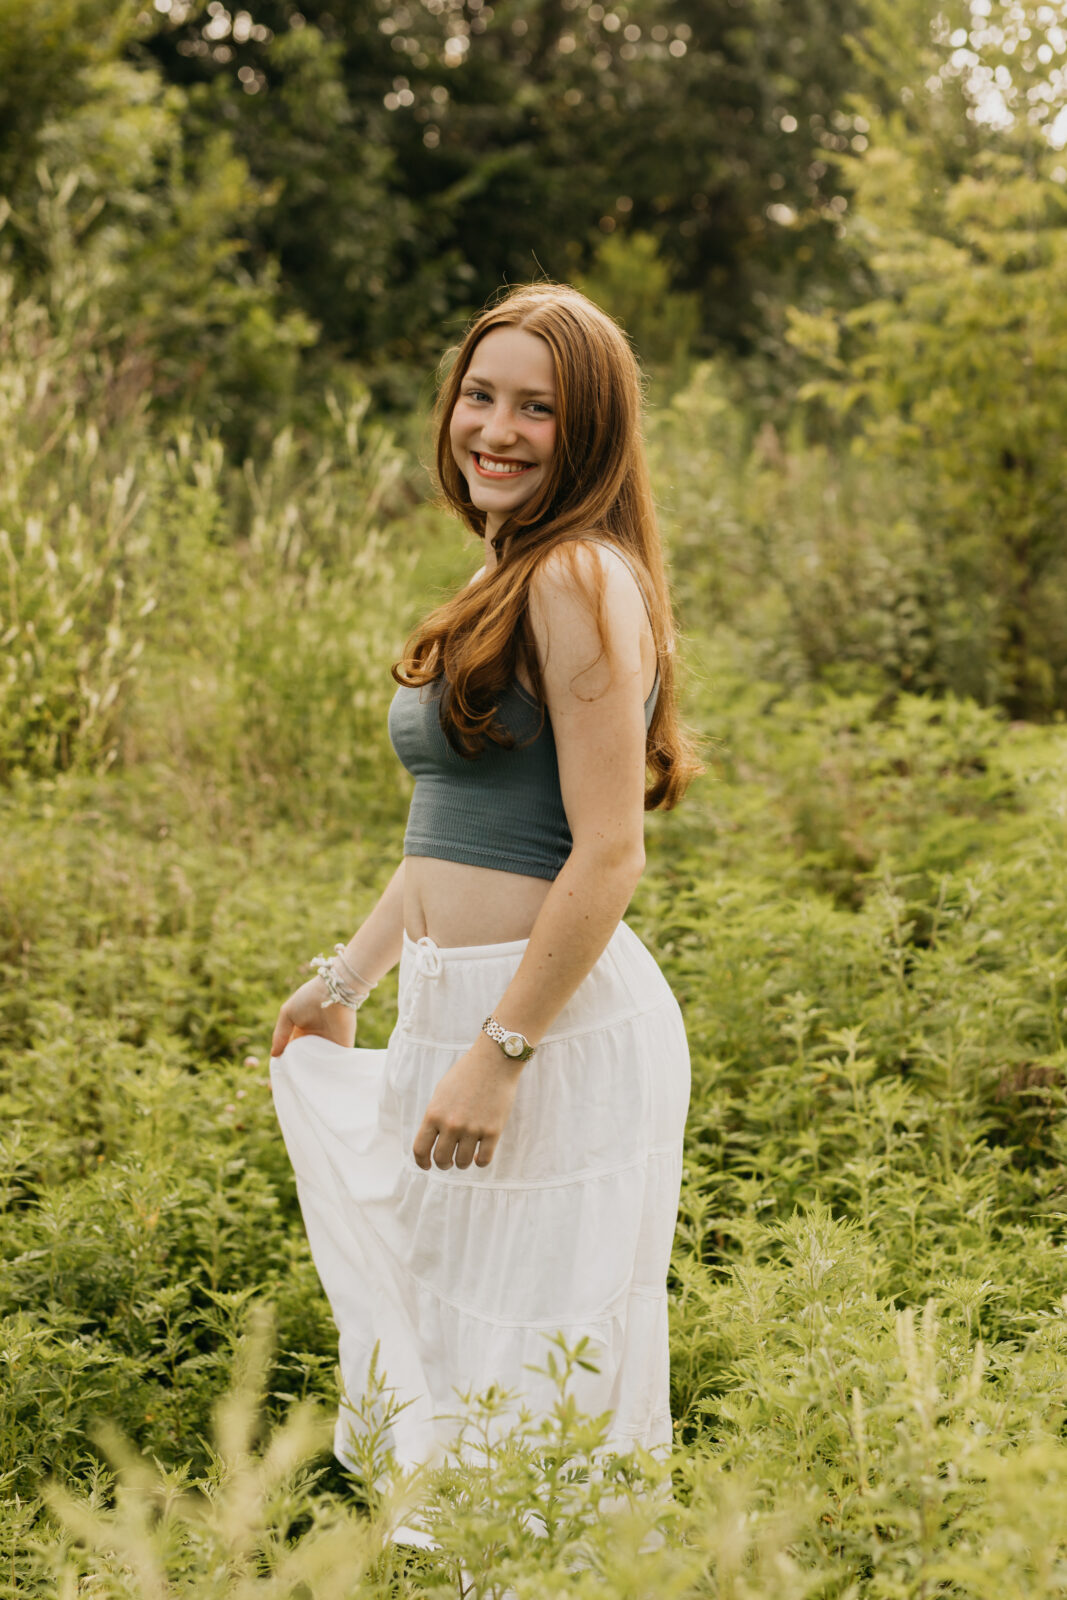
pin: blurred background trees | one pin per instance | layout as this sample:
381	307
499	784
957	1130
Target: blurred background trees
477	144
835	230
367	174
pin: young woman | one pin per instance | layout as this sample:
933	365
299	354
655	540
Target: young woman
508	1168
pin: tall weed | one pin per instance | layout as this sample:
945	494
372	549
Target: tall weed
860	908
816	562
158	608
75	601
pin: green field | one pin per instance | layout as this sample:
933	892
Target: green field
233	246
861	908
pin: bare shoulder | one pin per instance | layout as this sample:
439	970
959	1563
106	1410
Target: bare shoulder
571	638
569	576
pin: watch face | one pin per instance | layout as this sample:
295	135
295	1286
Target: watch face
513	1044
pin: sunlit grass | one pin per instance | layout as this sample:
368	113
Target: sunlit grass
861	908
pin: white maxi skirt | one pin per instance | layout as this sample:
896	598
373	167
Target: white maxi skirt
459	1278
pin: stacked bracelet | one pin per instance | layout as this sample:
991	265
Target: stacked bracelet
340	993
339	951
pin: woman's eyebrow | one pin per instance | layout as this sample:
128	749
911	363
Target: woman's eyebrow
487	383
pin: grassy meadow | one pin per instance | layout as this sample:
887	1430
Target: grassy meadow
861	907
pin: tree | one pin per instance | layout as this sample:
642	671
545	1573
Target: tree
958	366
120	211
425	151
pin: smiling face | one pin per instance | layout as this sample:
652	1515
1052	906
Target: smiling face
503	426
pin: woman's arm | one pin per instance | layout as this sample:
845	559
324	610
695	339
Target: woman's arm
598	722
372	951
597	712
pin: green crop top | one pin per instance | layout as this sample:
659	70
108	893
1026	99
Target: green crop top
501	808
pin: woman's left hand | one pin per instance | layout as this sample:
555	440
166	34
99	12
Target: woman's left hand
468	1109
304	1012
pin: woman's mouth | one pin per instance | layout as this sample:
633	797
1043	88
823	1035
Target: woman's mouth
499	466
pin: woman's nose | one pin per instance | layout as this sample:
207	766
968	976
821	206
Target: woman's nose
499	427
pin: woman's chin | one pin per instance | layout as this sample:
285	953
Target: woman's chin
499	506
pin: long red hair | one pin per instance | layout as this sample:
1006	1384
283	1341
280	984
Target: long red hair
598	485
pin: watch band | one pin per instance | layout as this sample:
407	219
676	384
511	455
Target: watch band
515	1046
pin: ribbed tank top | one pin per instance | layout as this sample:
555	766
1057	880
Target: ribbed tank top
502	808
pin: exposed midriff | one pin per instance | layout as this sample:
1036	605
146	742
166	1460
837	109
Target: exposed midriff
459	903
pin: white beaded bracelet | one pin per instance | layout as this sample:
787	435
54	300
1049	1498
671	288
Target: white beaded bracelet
339	951
339	993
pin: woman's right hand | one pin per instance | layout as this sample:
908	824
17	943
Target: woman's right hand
303	1012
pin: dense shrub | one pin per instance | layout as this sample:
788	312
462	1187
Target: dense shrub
951	372
861	911
860	908
157	605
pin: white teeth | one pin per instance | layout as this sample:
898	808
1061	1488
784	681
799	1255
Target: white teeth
502	468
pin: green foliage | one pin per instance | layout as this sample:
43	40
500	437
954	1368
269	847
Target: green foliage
131	229
422	155
44	51
336	213
861	906
862	913
545	1509
954	372
861	910
76	593
631	281
276	692
373	173
817	563
269	599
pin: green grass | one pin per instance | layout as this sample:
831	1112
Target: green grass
861	908
864	922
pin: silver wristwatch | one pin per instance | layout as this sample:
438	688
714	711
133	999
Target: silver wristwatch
515	1046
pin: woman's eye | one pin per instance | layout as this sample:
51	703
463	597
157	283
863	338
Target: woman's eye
535	405
475	394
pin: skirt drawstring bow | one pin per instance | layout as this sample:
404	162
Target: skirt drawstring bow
427	964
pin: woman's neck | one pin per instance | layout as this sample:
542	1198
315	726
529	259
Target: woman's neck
492	528
493	525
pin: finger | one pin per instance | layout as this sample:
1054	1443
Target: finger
465	1151
485	1152
444	1150
424	1144
283	1029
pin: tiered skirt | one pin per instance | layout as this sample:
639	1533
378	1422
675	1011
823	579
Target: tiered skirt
459	1278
